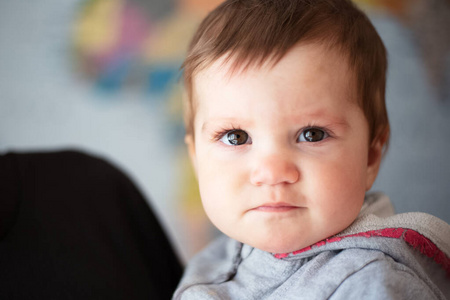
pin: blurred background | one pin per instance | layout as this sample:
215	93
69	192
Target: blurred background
102	76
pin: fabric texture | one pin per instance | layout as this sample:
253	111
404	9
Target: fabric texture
73	226
379	256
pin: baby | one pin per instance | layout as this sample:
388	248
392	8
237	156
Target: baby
286	126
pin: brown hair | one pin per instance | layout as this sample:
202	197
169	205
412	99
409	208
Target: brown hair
252	31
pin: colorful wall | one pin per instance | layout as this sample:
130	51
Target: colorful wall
102	76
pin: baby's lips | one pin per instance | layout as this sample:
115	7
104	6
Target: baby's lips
276	207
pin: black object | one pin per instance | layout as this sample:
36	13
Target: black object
74	227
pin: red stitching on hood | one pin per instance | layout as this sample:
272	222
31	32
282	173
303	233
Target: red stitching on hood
412	237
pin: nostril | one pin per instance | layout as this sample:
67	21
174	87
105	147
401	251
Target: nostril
295	176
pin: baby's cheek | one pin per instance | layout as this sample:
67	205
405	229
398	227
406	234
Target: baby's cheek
214	191
335	185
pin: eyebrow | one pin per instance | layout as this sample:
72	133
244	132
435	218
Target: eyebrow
327	116
224	121
330	119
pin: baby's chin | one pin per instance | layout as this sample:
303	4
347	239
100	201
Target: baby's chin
280	245
280	248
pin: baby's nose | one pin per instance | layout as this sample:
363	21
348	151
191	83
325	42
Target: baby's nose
274	169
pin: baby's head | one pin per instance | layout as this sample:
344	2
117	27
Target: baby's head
285	118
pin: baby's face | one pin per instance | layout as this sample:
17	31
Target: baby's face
281	153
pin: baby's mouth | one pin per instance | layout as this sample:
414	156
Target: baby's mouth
276	207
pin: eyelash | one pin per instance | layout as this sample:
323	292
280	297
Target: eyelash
327	131
219	134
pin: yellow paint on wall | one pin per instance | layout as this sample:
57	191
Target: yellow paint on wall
97	30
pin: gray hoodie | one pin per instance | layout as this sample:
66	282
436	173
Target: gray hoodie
379	256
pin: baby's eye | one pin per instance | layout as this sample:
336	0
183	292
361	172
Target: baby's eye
312	135
235	138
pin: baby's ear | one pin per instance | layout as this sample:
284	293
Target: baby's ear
375	155
190	143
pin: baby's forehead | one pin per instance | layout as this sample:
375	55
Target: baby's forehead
231	64
313	56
